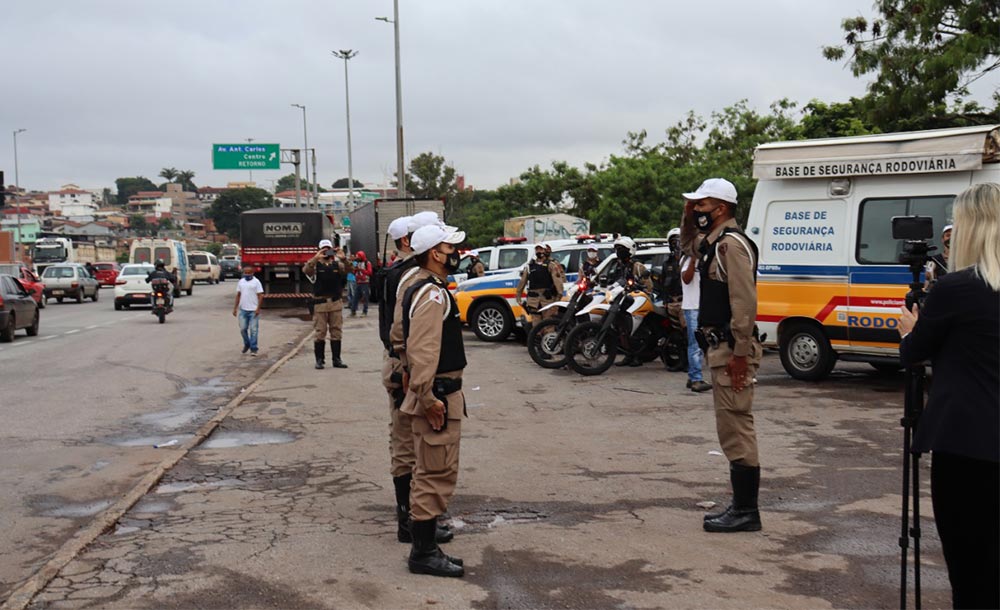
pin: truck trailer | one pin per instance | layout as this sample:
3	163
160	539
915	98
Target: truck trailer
370	223
278	242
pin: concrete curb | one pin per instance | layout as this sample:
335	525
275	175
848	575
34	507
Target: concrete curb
23	595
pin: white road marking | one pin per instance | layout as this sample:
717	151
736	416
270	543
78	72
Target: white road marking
49	337
17	344
92	327
70	332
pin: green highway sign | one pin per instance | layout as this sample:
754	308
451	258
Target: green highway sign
246	156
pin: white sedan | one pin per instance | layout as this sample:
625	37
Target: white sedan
131	287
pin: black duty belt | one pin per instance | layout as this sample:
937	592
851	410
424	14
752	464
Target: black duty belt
714	337
446	385
547	293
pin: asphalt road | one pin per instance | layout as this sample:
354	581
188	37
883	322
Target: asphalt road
574	493
84	402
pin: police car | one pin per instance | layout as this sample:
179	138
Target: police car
487	304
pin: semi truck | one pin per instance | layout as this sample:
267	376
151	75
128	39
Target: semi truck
277	242
370	223
49	251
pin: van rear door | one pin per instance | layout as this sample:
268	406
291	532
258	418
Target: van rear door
879	283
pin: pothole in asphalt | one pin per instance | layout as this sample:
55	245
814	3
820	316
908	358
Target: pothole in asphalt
228	439
189	407
490	518
182	486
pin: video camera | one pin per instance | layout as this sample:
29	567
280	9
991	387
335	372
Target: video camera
916	231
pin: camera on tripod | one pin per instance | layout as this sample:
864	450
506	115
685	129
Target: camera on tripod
916	231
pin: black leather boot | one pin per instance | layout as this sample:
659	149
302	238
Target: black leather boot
402	487
425	555
732	483
743	515
337	362
319	348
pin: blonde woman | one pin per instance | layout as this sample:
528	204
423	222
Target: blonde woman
958	330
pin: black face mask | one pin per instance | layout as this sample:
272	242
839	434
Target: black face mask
451	263
703	220
622	253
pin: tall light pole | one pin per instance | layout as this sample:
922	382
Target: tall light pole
305	138
400	159
250	140
347	54
17	191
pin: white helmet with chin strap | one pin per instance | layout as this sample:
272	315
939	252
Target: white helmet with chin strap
675	232
626	242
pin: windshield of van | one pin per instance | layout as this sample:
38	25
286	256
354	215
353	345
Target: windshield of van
198	259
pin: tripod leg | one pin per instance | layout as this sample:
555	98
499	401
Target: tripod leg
904	536
915	530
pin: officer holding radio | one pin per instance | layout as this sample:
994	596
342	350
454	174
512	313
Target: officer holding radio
728	337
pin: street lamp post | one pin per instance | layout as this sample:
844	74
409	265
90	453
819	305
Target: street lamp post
249	141
17	191
400	160
347	54
305	138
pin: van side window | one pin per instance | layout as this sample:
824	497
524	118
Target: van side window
485	258
875	244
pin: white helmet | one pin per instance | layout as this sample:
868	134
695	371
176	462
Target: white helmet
627	242
674	232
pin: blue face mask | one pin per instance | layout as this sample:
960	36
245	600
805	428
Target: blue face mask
248	276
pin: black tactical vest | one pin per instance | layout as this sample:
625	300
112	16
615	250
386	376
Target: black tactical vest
452	350
714	310
387	310
539	276
329	281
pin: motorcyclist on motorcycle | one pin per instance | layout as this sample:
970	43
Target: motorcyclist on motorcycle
160	272
625	249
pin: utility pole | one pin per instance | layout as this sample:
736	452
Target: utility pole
347	54
17	191
305	138
250	140
400	159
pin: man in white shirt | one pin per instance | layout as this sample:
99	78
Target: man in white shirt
249	295
691	287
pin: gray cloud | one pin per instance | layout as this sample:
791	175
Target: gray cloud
118	88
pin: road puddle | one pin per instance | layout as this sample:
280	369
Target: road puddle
183	486
75	510
229	439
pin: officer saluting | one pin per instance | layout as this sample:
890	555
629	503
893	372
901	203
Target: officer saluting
434	357
329	268
544	280
401	452
727	335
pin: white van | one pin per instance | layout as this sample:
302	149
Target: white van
172	252
829	282
204	267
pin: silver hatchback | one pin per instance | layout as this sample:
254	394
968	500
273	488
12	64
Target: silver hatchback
69	281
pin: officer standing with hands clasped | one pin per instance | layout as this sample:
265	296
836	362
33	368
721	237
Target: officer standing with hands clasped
544	279
328	271
434	358
728	336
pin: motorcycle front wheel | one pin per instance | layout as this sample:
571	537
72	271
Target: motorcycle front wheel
674	352
586	353
162	316
545	344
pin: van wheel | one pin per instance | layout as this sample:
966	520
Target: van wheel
189	290
806	353
492	321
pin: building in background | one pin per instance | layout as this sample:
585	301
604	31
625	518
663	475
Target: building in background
71	201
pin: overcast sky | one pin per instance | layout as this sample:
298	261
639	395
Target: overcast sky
110	88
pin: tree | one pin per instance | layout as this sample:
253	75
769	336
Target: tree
287	183
343	182
168	173
215	248
430	177
226	210
137	223
130	186
185	179
924	54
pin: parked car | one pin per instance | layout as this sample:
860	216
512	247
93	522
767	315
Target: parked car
106	273
69	280
28	279
231	266
18	309
131	287
205	267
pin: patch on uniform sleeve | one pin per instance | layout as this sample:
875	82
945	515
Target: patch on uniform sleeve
436	296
